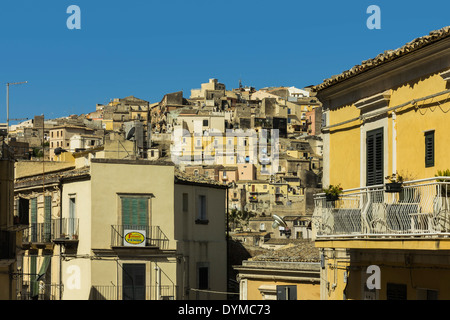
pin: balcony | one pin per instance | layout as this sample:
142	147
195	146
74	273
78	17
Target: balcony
66	231
38	234
131	237
33	290
163	292
420	209
59	231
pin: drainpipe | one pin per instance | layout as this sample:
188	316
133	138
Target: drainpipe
158	283
60	232
394	143
227	258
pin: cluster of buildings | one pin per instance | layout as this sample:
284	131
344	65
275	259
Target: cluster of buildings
140	200
106	209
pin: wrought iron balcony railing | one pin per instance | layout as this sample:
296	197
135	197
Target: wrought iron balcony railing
46	232
155	292
36	290
128	236
421	207
38	233
66	228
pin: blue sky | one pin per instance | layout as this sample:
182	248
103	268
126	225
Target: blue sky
147	48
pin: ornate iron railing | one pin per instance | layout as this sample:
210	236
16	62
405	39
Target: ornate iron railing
421	207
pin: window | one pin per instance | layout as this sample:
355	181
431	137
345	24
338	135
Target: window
133	279
429	149
134	211
375	157
23	211
427	294
203	276
201	208
286	292
185	202
205	123
396	291
72	216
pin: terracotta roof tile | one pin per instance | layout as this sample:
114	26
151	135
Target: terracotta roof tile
385	57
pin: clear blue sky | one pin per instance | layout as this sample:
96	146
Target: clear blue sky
148	48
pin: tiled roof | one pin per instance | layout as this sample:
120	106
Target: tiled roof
385	57
298	251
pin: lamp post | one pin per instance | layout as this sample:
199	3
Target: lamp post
7	102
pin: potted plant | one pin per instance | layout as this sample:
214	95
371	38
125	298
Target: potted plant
445	189
395	183
332	192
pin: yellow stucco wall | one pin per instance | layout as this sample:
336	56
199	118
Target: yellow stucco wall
410	125
305	291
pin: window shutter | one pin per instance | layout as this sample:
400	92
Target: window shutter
375	157
142	213
34	219
134	211
429	149
126	211
47	217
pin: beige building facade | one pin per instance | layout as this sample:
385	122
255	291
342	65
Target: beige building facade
125	229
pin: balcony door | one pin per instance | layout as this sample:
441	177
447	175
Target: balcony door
133	279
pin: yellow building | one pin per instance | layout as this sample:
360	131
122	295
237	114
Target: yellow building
10	226
123	229
387	116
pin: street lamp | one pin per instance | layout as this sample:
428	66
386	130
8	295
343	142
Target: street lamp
7	102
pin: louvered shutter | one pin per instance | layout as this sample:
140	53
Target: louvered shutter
126	211
375	157
134	211
34	219
429	149
47	217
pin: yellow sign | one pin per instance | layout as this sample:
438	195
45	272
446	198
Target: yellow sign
134	238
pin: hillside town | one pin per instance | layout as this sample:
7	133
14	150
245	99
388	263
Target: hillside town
238	193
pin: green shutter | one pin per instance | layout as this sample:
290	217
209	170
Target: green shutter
47	217
34	210
429	149
126	211
143	211
34	286
134	211
33	220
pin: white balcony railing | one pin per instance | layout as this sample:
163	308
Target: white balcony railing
422	207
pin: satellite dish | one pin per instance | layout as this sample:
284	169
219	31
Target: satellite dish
131	133
278	221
